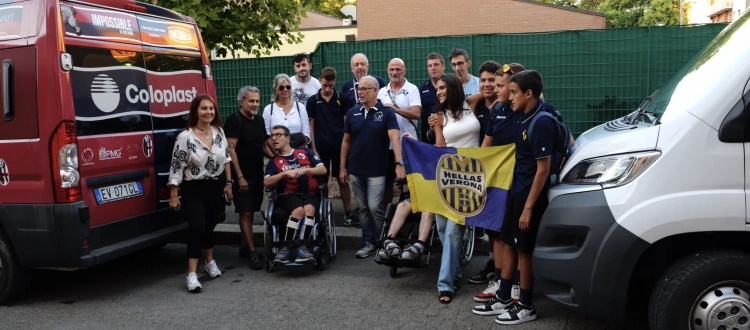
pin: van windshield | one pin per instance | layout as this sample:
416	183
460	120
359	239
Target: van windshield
706	71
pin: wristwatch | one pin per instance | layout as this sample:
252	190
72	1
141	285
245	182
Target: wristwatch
399	163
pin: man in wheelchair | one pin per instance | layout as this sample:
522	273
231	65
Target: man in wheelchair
391	248
294	174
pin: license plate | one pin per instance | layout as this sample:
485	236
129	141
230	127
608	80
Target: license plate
118	192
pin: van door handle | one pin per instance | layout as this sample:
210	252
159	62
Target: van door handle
8	112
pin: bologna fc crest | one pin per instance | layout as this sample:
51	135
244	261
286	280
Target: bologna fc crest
4	173
148	146
462	184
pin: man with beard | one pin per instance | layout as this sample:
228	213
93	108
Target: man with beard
360	67
303	84
246	137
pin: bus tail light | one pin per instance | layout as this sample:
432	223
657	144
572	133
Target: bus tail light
64	155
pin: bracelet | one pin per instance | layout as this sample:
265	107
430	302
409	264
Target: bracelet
230	182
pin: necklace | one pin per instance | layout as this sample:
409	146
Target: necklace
204	131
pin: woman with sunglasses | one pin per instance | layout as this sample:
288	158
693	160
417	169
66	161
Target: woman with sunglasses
287	112
456	126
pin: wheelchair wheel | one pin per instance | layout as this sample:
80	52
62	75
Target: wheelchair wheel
467	248
268	245
330	232
319	261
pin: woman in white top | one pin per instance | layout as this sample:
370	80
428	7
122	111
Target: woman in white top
200	168
457	126
287	112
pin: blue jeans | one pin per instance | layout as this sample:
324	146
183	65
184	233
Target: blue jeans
452	236
369	191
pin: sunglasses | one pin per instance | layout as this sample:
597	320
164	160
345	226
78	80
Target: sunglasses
506	69
288	87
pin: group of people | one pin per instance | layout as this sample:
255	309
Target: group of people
311	131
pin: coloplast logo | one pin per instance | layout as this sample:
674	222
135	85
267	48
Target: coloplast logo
462	184
105	93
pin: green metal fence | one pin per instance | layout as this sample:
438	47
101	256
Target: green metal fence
592	76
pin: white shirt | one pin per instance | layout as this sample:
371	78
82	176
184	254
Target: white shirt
193	160
302	91
407	96
296	121
461	133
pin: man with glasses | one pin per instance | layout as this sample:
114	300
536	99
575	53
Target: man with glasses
427	91
403	97
368	129
304	84
327	110
360	67
294	174
460	63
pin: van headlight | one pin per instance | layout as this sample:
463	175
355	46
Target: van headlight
611	171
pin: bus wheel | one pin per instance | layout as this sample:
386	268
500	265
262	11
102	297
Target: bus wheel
13	276
703	291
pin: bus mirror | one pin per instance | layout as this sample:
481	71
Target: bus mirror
206	71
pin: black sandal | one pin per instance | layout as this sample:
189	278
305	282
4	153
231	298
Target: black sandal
443	294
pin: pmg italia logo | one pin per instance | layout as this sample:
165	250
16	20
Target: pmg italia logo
105	153
105	93
461	181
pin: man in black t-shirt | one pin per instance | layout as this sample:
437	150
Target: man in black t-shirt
327	110
246	135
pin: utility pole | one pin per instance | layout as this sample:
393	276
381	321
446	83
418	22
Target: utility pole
681	11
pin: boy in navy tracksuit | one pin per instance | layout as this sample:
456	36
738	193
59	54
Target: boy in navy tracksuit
527	200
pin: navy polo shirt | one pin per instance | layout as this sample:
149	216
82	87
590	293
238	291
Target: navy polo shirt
329	120
351	95
368	144
529	150
428	95
483	115
501	126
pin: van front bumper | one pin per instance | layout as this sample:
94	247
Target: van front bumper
583	257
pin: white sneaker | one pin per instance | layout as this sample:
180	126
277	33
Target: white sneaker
493	307
515	292
212	269
516	314
192	283
488	293
366	251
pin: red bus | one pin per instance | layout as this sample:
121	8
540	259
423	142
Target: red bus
93	95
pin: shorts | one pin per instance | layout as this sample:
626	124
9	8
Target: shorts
523	241
287	203
334	159
391	175
492	234
248	201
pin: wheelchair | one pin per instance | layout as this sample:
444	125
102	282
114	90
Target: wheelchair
322	242
409	233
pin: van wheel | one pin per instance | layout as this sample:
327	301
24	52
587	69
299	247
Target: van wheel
704	291
13	276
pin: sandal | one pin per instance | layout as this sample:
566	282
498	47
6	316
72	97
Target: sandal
413	252
445	294
390	249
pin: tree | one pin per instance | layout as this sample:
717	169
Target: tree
331	7
628	13
252	26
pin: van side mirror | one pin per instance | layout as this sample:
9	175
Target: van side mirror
732	129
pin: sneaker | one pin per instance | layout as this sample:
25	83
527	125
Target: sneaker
192	283
366	251
493	307
350	221
488	293
515	292
256	260
212	269
485	274
303	255
517	314
283	255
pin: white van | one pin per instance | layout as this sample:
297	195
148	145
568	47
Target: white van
651	216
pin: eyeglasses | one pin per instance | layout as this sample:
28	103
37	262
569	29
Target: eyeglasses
288	87
507	68
457	64
278	135
362	89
